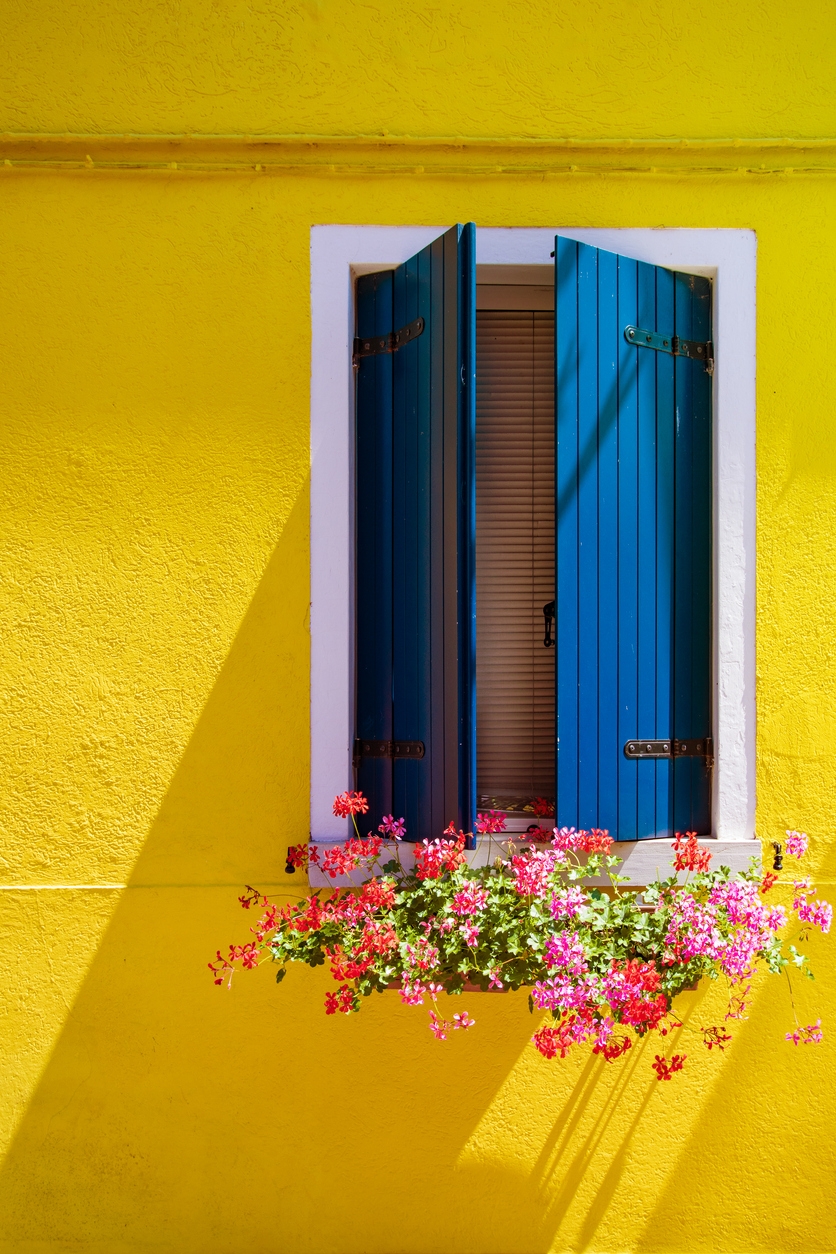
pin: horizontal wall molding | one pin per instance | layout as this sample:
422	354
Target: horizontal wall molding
408	154
119	888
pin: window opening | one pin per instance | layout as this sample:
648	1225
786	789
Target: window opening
729	255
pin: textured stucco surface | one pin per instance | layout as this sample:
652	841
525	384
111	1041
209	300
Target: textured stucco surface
154	649
492	67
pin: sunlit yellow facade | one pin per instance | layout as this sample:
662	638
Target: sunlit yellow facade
154	639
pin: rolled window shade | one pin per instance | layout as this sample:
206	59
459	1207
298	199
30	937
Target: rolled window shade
515	576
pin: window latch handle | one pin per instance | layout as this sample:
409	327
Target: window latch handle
548	614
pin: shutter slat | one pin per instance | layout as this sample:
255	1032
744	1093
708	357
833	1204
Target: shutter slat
514	553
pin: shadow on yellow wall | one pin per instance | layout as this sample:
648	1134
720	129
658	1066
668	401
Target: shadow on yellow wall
174	1114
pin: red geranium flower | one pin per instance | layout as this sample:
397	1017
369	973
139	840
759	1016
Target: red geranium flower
348	803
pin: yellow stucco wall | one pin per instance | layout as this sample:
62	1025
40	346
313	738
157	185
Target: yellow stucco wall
154	642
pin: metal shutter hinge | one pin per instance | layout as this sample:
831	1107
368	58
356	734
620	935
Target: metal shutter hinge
388	749
672	344
670	749
375	344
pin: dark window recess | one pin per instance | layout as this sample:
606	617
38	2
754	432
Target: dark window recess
514	553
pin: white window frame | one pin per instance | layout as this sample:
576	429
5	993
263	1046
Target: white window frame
338	254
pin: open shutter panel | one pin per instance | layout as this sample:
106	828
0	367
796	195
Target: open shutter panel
415	511
633	545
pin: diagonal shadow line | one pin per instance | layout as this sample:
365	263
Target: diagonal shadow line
575	1172
606	1189
607	410
571	1115
553	1151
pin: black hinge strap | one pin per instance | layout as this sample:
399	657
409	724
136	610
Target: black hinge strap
669	748
388	343
673	344
388	749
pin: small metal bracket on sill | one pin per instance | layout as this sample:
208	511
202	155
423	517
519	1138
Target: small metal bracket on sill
375	344
670	749
672	344
413	749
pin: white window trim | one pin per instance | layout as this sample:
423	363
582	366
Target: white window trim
338	253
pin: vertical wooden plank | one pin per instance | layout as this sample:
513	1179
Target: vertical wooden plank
646	522
587	535
411	576
425	684
466	477
692	696
405	600
566	528
685	369
448	805
609	349
627	599
665	445
373	565
700	662
412	640
420	696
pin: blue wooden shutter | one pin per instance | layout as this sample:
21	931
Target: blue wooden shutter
415	512
633	534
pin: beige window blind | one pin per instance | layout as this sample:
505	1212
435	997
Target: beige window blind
515	496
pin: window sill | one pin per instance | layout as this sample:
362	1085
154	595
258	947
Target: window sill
642	860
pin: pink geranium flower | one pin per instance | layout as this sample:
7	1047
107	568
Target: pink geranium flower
811	1035
796	843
